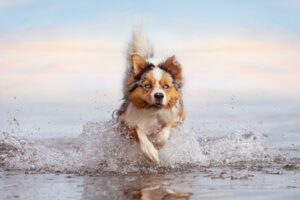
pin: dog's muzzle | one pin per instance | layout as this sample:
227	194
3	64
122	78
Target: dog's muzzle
158	98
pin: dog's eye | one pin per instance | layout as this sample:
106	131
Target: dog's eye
148	85
166	86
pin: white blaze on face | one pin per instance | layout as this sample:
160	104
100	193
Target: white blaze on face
157	74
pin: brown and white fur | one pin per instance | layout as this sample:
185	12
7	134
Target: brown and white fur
152	103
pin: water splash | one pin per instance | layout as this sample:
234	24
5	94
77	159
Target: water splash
106	148
18	153
102	149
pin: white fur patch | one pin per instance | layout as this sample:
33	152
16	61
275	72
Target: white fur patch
148	120
157	74
161	138
147	147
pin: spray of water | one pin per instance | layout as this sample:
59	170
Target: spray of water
102	149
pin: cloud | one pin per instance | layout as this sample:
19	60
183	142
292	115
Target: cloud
78	62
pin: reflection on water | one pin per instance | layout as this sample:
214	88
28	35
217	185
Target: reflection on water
142	186
157	193
182	185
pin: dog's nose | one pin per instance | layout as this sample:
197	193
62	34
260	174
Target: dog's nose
159	96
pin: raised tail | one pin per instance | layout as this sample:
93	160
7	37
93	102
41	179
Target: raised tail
139	44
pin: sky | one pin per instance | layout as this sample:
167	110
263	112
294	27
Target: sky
56	50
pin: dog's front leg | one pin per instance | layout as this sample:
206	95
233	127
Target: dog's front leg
147	147
162	137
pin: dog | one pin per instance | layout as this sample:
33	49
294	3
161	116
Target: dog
152	103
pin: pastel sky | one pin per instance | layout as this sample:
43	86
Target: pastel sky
59	49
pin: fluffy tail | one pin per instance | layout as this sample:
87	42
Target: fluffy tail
140	44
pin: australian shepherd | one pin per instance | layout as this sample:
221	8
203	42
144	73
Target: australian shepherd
152	103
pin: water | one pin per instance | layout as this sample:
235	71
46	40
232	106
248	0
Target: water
102	149
226	150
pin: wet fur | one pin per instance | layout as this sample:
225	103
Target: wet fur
140	116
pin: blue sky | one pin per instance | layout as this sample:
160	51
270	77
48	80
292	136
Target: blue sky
18	15
72	45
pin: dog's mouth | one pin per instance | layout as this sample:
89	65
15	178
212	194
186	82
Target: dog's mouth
157	105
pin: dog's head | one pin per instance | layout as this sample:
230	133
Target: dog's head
154	86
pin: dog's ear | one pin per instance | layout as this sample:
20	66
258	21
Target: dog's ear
138	64
172	66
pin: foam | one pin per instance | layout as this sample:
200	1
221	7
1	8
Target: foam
102	149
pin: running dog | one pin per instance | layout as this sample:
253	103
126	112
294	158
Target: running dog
152	103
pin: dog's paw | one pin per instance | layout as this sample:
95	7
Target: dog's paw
150	152
160	139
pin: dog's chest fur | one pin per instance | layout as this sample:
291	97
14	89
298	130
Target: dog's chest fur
150	121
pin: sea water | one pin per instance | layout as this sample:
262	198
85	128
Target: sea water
254	142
